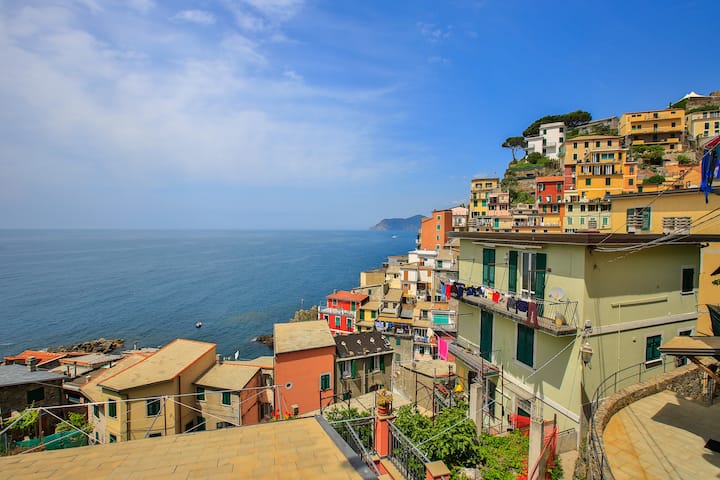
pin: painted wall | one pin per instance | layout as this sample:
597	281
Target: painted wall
303	370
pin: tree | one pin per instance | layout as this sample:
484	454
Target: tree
77	420
571	120
654	180
652	154
514	144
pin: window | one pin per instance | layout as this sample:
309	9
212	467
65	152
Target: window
652	348
575	145
152	407
201	424
597	144
638	219
525	344
112	438
201	390
607	181
325	382
438	217
326	317
337	320
438	226
569	208
226	400
489	267
609	143
688	280
112	409
533	274
348	323
631	182
541	187
588	181
575	156
569	220
36	394
397	341
587	144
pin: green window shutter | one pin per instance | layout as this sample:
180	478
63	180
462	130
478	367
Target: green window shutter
353	369
540	265
112	409
200	393
646	218
525	338
397	341
489	267
382	363
512	266
324	382
486	330
226	398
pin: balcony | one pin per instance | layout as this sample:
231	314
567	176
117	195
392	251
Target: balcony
554	318
338	311
471	357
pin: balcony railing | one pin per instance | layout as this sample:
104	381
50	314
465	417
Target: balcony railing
359	433
405	456
555	318
339	311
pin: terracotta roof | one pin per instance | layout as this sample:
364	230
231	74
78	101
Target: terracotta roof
393	295
302	448
91	359
345	295
41	357
360	344
162	366
228	376
297	336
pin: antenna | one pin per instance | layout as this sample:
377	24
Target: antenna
556	293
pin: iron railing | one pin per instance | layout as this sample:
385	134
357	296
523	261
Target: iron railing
599	468
405	456
359	434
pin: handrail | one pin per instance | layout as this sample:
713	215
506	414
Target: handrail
596	448
406	457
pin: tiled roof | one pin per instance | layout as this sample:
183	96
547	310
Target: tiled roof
162	366
374	305
19	375
41	357
297	336
228	376
91	359
393	295
265	361
359	344
302	448
345	295
91	388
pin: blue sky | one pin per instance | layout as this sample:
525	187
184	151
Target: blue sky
307	114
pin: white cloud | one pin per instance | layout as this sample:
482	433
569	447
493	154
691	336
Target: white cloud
79	110
196	16
433	32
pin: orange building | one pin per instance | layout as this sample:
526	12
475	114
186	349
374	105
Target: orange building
434	230
304	366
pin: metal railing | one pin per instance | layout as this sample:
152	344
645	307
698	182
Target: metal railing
405	456
599	468
359	434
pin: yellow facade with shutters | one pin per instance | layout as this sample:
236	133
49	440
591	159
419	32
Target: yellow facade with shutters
655	127
598	166
678	211
702	125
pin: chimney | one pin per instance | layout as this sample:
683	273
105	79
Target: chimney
218	359
31	363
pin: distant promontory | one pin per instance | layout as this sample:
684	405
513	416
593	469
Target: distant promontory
399	224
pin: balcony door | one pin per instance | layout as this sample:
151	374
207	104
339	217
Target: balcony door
486	332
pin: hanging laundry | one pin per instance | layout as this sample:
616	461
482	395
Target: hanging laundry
708	166
488	293
460	291
471	291
533	313
496	297
480	291
448	291
512	304
522	306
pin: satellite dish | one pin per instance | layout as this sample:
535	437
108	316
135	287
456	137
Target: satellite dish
556	293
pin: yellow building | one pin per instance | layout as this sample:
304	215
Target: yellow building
229	395
655	127
138	399
678	212
597	166
702	126
480	190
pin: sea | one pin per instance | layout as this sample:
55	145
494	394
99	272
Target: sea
149	287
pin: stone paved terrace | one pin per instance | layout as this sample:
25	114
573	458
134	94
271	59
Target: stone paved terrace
291	449
663	436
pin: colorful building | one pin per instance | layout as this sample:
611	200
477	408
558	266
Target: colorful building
459	219
678	212
582	214
702	126
664	127
340	312
434	230
362	364
550	316
304	366
595	166
149	395
480	190
550	201
229	395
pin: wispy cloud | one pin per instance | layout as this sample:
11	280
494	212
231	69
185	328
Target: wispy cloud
196	16
433	32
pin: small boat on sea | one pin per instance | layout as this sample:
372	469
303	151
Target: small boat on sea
198	324
394	236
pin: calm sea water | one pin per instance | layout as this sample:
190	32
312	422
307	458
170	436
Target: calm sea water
150	287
